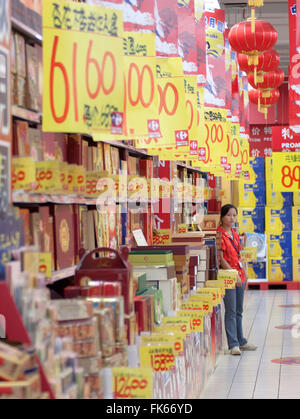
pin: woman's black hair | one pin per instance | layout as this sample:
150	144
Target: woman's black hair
225	209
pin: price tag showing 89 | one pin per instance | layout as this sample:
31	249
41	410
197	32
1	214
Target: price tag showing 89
286	172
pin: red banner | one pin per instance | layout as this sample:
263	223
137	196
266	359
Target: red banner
284	139
166	28
260	140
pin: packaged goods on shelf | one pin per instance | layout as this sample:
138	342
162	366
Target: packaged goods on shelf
277	199
296	243
296	199
156	272
251	220
281	269
252	195
296	218
280	245
278	220
256	270
257	169
169	293
296	269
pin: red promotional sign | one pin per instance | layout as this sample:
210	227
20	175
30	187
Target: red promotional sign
166	28
187	43
284	139
201	50
260	140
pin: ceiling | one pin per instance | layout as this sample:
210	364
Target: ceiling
274	12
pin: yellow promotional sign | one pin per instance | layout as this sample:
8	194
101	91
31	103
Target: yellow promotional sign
45	264
23	173
176	338
214	292
162	237
245	157
234	150
181	327
48	179
286	172
132	383
83	68
214	145
160	357
195	319
202	303
172	113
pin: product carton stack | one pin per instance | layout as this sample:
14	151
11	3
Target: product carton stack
251	210
159	267
281	220
296	237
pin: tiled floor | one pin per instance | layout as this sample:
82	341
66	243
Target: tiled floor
252	375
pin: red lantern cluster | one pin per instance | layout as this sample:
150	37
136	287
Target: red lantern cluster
254	40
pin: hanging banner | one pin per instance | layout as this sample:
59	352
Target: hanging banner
228	72
286	172
139	16
5	45
83	68
284	139
215	50
172	120
186	145
260	140
187	43
294	73
201	48
166	28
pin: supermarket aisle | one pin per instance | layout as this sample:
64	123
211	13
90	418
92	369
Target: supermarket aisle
253	375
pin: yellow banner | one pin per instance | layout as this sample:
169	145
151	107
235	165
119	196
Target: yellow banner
132	383
172	113
286	172
83	68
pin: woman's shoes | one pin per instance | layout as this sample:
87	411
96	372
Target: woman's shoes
235	351
248	347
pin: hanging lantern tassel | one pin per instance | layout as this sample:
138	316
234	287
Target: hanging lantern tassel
255	3
253	60
252	19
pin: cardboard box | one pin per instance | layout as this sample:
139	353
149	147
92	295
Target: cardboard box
277	199
296	269
210	222
278	220
281	269
268	169
257	168
296	218
280	245
296	199
252	195
157	273
256	270
296	243
251	220
151	257
32	62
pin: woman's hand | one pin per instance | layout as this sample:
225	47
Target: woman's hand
239	281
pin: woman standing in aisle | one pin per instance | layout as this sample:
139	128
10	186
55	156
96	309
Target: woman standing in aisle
230	247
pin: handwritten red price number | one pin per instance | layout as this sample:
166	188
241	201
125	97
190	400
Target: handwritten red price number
141	77
126	386
18	176
214	134
290	175
164	104
194	323
104	70
162	362
235	148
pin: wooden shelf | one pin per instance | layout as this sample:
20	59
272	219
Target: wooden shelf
26	114
26	30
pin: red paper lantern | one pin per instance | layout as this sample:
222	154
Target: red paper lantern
245	41
270	80
256	96
267	61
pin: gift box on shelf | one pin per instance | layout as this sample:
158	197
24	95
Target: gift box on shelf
108	265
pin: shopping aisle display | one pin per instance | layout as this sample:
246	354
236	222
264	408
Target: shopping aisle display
122	152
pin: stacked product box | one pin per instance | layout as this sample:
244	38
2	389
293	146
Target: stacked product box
159	267
279	226
252	199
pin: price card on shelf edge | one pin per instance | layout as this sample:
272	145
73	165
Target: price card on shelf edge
132	383
159	357
163	337
286	172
